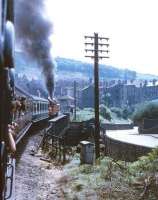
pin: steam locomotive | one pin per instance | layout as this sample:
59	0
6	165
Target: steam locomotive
17	107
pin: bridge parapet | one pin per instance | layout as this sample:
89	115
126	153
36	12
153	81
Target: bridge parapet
55	135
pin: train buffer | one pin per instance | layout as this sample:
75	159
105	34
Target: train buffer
55	136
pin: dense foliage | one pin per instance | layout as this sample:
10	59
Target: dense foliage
147	110
118	111
105	112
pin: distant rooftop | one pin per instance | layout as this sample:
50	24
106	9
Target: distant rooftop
66	97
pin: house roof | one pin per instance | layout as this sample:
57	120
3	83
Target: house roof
66	97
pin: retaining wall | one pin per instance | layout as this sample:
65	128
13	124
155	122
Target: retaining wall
117	126
124	151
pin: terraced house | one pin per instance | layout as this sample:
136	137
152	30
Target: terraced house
132	92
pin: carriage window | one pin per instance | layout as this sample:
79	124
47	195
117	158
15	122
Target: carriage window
37	107
33	108
43	107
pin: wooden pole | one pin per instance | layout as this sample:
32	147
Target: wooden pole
96	96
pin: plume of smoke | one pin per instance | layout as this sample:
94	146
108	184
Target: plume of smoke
33	29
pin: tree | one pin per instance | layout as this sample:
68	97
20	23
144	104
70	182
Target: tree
107	99
105	112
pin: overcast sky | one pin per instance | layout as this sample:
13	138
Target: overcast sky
131	25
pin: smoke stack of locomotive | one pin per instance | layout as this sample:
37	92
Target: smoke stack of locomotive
33	31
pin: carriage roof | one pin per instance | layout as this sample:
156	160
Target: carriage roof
26	94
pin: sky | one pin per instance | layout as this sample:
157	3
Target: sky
131	25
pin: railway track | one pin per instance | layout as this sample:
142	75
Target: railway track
35	179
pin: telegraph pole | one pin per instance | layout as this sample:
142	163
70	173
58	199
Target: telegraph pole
97	43
75	99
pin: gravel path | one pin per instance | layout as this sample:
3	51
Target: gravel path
36	179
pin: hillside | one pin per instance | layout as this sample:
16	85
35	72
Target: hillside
86	69
68	68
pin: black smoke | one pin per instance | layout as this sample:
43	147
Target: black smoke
33	30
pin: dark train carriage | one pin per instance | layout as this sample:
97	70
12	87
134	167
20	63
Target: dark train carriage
31	110
22	114
6	94
25	99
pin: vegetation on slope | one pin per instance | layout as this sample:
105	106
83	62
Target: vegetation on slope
71	65
113	180
108	115
23	63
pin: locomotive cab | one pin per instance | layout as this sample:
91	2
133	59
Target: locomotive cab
53	108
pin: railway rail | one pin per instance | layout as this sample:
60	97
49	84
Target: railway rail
29	166
26	149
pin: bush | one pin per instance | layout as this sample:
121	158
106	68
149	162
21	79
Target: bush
105	112
148	110
118	111
126	113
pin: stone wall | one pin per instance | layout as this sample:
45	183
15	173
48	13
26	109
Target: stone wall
117	126
124	151
149	126
77	132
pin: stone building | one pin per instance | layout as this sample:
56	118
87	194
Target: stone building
66	103
86	96
132	92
